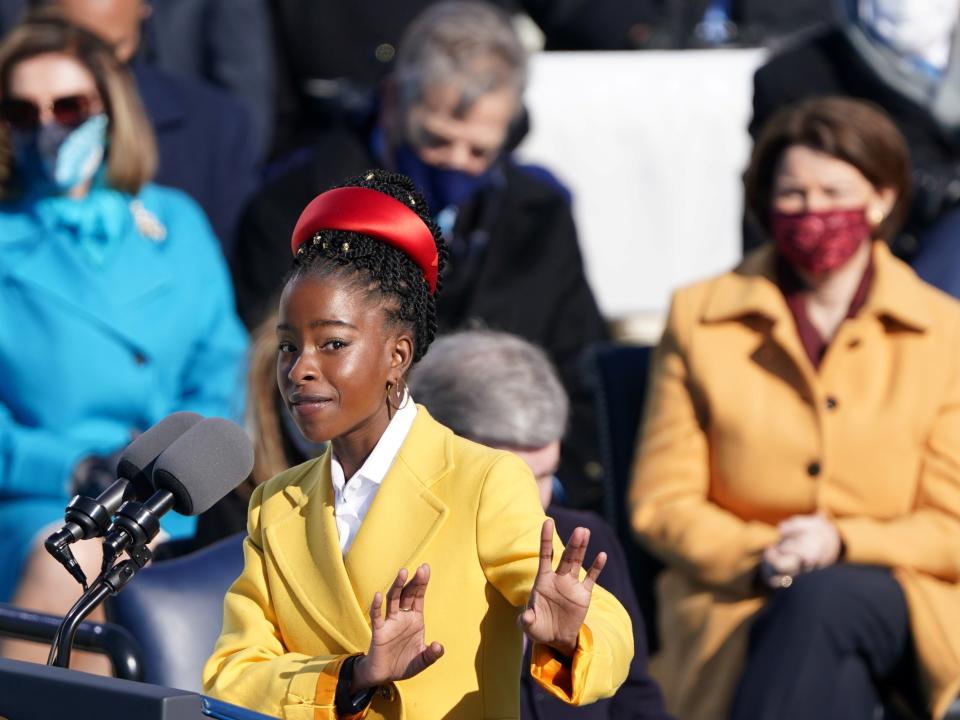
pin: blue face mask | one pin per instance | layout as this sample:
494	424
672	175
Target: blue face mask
443	188
61	157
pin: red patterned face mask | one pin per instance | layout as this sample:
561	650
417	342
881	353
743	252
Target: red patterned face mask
819	241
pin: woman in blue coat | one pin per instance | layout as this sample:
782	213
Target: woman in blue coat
115	303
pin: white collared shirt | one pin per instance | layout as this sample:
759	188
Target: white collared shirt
352	499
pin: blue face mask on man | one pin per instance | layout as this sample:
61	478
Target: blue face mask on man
443	188
61	157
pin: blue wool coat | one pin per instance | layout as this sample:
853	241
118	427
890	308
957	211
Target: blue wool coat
114	312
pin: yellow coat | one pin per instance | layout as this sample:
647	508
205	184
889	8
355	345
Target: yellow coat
742	432
300	608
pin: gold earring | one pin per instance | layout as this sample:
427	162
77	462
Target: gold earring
400	395
875	216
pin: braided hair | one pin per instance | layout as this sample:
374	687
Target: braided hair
385	272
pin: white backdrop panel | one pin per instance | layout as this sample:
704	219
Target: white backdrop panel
653	146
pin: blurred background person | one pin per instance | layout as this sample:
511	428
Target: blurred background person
500	390
901	55
799	468
332	56
206	141
449	118
228	43
115	303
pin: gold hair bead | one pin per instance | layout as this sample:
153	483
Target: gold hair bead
412	201
368	176
345	247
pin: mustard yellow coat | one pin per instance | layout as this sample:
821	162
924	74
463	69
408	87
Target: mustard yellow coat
300	608
736	420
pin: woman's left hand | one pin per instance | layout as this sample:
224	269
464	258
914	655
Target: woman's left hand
559	601
812	538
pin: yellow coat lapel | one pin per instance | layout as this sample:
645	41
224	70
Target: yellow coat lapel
405	514
307	552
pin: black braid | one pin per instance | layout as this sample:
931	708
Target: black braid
386	271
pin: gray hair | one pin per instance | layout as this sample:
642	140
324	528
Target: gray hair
469	44
492	387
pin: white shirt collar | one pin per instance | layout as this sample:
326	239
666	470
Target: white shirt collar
378	462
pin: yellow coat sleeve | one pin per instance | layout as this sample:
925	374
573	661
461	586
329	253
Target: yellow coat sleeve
927	539
670	507
250	665
509	519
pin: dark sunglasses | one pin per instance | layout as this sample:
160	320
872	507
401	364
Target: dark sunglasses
69	111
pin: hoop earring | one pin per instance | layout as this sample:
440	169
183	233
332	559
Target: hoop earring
398	394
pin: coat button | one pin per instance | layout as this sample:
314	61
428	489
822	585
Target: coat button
813	469
831	403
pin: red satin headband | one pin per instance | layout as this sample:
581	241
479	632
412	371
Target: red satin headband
370	212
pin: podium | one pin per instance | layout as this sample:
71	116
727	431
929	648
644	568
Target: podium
37	692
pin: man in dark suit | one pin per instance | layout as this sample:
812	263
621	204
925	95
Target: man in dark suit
333	54
448	119
225	42
205	138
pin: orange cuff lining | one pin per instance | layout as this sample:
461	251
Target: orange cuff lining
564	683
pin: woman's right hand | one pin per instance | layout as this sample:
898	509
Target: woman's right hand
397	650
778	568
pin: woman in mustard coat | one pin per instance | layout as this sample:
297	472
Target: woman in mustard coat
799	464
321	624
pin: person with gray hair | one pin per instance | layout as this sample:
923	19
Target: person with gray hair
448	117
500	390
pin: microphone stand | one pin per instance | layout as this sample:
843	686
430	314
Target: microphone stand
109	582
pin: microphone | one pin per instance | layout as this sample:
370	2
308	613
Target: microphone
198	468
87	517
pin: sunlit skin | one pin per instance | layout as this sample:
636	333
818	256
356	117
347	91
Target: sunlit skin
44	78
337	353
116	21
446	136
807	180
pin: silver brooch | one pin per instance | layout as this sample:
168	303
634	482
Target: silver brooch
147	223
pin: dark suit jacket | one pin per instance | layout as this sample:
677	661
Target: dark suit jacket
225	42
829	64
524	274
639	696
205	142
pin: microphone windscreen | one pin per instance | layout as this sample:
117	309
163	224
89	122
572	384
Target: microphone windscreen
136	462
204	464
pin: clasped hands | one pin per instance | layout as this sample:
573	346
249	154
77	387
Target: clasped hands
553	616
807	542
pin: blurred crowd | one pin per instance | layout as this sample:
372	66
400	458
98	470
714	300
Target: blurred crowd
797	471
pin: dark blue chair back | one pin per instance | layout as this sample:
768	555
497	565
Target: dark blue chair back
618	376
174	609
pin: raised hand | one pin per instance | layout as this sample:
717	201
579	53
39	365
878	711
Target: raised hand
559	601
397	650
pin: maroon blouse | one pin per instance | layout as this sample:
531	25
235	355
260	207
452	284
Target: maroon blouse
793	289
